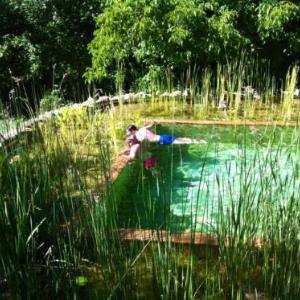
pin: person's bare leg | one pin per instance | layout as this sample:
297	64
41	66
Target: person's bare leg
188	141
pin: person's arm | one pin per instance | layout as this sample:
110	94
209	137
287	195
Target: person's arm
134	151
151	124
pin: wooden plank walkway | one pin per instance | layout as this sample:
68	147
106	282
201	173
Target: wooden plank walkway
117	166
196	238
222	122
164	236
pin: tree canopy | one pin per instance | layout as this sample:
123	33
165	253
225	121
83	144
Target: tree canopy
43	41
143	36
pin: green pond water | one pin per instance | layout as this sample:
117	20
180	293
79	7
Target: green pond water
193	187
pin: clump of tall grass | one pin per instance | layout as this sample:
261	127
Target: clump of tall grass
288	93
51	182
245	84
252	228
59	226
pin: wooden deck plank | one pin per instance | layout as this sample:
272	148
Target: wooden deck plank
222	122
164	236
196	238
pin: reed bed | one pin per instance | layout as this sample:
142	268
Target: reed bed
60	212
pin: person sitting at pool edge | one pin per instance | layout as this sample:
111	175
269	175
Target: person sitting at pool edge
145	134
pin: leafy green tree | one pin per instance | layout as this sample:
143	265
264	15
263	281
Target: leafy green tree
43	41
278	28
143	38
166	34
18	56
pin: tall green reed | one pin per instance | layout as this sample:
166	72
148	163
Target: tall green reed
59	232
288	93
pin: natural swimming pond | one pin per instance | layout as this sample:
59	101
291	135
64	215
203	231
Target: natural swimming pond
245	179
241	172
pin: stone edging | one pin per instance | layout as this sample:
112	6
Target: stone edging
26	126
